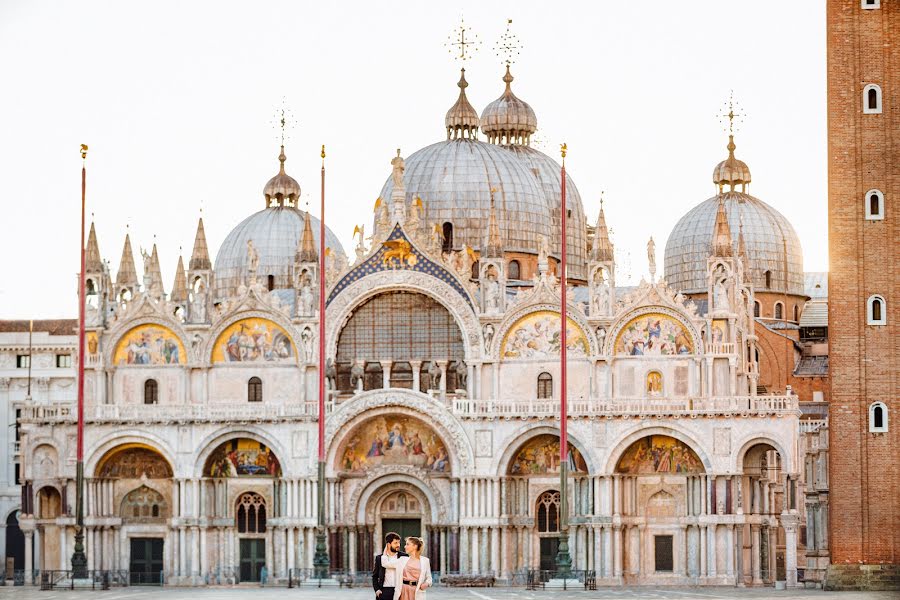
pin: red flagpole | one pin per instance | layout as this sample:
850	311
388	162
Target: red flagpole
321	562
563	559
79	559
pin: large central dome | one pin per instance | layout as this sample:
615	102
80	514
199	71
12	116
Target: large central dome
454	179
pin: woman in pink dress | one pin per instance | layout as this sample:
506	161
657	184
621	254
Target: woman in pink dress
412	573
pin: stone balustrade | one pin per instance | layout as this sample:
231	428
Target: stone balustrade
184	413
720	348
509	408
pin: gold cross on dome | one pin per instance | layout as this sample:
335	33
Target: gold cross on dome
508	46
460	40
283	121
733	114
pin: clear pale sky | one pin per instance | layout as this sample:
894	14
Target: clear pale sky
176	101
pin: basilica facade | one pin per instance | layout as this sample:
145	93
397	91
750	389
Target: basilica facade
443	398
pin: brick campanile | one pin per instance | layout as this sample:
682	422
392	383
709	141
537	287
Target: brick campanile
864	252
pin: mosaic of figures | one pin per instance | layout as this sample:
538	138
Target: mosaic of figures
254	340
149	344
134	462
654	334
242	457
393	440
719	329
659	454
540	456
537	335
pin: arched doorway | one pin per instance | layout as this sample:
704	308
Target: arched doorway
547	526
250	521
15	544
401	513
765	493
142	478
660	485
49	509
530	489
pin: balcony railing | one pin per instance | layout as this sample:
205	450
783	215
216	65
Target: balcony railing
720	348
189	413
462	407
812	425
627	406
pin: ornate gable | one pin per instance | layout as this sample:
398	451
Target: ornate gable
398	252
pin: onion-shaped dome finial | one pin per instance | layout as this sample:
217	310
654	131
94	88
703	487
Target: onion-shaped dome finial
462	118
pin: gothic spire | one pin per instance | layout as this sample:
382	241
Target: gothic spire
179	288
200	255
126	277
156	283
602	250
306	250
742	251
721	242
494	247
92	261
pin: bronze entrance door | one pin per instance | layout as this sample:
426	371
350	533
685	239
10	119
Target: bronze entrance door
549	549
662	554
402	527
253	559
146	563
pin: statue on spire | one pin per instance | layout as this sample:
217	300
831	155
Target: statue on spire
651	258
399	166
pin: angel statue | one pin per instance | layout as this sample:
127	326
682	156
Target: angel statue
252	257
651	257
361	246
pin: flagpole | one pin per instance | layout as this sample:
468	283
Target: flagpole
321	561
79	560
563	560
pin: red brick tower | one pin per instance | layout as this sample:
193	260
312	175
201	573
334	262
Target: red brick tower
864	291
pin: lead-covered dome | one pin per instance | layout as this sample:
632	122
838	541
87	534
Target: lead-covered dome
771	242
454	178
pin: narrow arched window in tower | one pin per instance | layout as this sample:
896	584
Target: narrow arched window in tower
756	308
271	283
779	310
878	417
151	392
448	237
514	270
768	279
475	267
548	512
874	205
796	313
877	313
872	99
545	385
254	390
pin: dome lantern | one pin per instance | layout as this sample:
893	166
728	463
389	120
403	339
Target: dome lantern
281	190
731	171
508	119
462	118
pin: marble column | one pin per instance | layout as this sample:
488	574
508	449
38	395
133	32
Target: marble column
386	373
496	567
618	550
29	556
464	550
198	544
416	366
711	549
443	365
754	554
183	551
704	562
790	549
445	551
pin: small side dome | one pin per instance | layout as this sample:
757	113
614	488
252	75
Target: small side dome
731	171
281	190
508	119
462	118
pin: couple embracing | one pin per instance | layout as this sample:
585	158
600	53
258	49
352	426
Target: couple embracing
401	575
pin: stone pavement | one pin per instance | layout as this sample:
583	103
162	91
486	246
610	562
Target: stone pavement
257	593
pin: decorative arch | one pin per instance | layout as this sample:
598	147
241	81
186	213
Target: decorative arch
150	343
658	454
215	440
133	461
787	459
105	446
525	434
640	430
392	439
144	505
539	456
49	502
653	330
401	402
343	302
253	339
534	334
44	461
377	479
242	457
